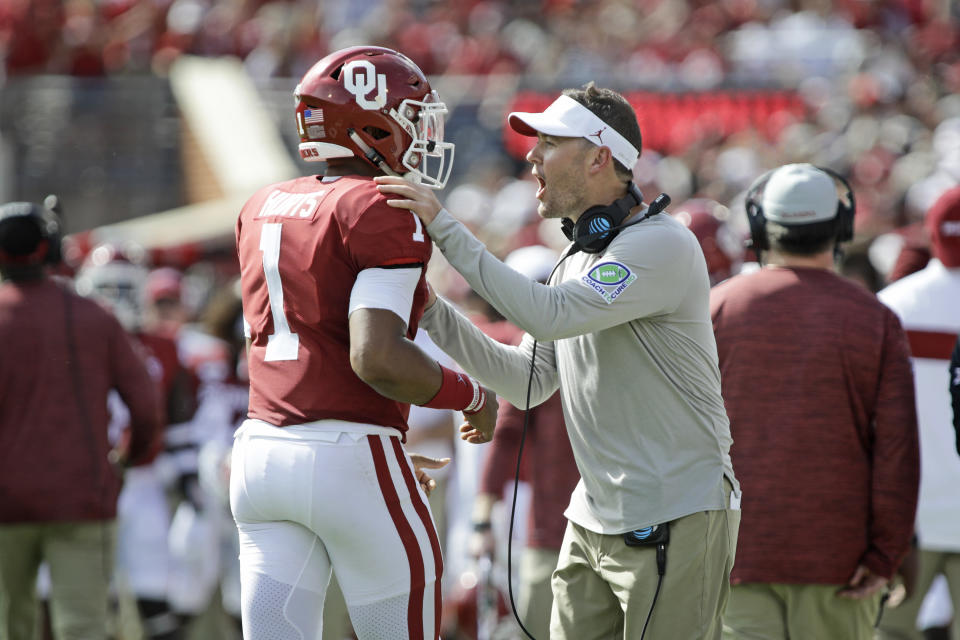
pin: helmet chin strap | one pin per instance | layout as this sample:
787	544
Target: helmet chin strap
371	154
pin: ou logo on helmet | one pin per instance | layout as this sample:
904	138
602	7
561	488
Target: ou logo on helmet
360	77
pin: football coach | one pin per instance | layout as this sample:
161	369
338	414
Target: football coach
623	329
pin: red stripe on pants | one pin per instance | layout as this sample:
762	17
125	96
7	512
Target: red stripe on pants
409	539
427	521
931	344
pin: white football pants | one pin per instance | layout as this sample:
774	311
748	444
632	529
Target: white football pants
332	495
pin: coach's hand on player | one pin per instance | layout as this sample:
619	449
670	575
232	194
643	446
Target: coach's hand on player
421	462
416	198
478	427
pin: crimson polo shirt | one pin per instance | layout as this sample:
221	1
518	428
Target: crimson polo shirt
818	386
53	404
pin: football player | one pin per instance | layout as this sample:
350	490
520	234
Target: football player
333	288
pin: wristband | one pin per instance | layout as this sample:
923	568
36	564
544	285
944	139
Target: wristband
482	526
457	391
479	400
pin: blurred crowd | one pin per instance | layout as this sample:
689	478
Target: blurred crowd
875	86
650	41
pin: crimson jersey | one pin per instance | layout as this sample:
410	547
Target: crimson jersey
301	245
176	389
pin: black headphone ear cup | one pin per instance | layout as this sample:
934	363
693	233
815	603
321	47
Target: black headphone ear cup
845	216
596	227
591	222
846	211
758	227
755	217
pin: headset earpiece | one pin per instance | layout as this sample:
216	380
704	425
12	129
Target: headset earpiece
758	223
596	227
846	206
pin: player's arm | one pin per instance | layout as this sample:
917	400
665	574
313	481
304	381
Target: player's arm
382	356
504	368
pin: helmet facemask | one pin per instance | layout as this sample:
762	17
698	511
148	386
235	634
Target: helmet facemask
428	159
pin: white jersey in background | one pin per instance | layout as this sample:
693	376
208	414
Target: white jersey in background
928	303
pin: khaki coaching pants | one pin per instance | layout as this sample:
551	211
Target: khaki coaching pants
760	611
80	557
603	589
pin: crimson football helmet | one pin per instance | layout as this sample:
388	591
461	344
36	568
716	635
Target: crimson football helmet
722	249
376	104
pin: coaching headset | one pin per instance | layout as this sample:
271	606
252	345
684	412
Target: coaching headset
843	219
29	244
596	227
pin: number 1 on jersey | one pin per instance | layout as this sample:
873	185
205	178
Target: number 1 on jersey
282	344
418	232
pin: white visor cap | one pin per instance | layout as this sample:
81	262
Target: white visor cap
799	194
569	119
